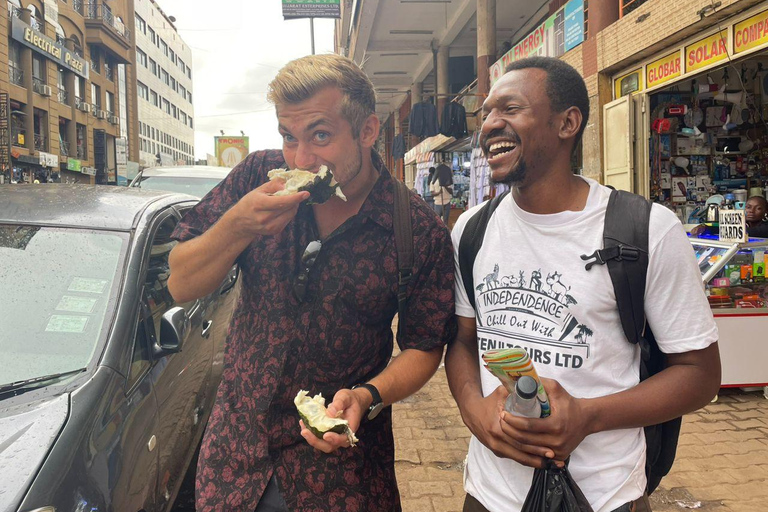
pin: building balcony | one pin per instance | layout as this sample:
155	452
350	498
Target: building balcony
77	6
16	75
41	143
102	27
36	24
63	96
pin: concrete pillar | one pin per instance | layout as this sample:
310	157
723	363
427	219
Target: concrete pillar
416	91
602	13
486	43
442	79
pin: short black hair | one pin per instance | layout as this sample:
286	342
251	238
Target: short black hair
565	86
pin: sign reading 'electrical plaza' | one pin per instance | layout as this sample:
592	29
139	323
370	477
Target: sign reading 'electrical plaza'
40	43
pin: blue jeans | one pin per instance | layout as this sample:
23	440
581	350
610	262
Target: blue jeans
444	211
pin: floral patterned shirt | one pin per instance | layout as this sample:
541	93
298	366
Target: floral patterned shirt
340	335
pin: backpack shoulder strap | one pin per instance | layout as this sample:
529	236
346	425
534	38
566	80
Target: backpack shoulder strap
471	240
404	247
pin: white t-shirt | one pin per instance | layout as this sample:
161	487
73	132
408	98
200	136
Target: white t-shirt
532	290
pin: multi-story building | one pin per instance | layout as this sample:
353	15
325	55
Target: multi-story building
67	107
164	88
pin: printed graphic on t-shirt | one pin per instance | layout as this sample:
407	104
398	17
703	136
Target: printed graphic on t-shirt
531	310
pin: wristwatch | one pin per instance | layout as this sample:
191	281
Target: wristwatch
376	405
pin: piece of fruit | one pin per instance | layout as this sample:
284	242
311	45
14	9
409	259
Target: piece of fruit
321	185
312	412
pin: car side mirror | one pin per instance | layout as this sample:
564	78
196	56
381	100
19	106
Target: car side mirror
174	326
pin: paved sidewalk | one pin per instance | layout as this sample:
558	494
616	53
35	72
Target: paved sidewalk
721	464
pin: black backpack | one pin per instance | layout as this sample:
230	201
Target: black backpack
625	252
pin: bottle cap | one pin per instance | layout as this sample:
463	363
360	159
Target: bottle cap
526	387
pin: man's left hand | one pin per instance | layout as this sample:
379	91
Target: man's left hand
347	404
562	431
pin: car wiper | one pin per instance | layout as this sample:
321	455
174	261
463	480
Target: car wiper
30	383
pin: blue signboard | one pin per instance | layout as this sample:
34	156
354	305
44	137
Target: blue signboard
574	24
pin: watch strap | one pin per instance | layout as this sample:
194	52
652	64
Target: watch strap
375	403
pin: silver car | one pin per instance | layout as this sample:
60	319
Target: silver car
195	180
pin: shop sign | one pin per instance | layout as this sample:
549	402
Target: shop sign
230	151
311	9
31	38
706	51
629	83
49	160
664	69
733	226
750	33
73	164
90	171
559	33
5	131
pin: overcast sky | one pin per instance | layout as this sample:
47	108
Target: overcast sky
238	46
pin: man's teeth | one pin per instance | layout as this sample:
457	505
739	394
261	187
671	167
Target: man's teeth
500	146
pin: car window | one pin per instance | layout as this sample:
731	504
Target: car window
197	187
156	293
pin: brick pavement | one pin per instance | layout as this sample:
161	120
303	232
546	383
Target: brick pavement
722	460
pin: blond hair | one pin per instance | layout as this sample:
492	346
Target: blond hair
302	78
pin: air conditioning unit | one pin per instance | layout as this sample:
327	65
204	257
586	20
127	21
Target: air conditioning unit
101	114
46	90
114	119
85	107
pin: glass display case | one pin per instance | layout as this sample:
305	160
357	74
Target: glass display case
735	280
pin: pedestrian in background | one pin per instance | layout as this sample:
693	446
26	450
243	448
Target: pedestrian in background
530	264
318	299
442	191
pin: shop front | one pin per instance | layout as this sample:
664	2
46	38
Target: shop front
688	128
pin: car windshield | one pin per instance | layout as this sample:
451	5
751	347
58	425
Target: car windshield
197	187
59	290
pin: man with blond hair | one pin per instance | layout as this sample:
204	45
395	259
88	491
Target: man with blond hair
319	296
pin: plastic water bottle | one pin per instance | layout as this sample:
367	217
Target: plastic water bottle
524	401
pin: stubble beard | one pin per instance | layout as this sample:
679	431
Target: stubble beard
351	171
514	177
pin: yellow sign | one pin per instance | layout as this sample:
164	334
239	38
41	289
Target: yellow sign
664	69
230	151
706	51
629	83
750	33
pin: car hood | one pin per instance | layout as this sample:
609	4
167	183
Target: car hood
27	432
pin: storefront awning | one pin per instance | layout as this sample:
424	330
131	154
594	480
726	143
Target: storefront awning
430	145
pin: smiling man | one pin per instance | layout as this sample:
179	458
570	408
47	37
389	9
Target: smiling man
320	286
534	292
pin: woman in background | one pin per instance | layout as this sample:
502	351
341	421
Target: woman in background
441	186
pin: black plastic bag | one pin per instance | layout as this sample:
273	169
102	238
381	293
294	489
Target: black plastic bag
554	490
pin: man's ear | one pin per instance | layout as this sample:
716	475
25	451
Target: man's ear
570	123
370	131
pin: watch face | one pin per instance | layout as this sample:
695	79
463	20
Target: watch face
375	410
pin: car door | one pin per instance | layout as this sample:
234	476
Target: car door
182	379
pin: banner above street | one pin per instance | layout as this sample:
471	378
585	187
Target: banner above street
311	9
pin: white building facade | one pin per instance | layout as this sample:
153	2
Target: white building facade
164	75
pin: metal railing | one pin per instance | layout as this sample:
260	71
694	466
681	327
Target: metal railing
15	11
64	147
81	153
36	24
38	85
79	101
77	5
109	72
16	75
98	11
627	6
63	96
41	143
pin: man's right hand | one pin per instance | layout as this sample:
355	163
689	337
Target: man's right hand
261	213
483	417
